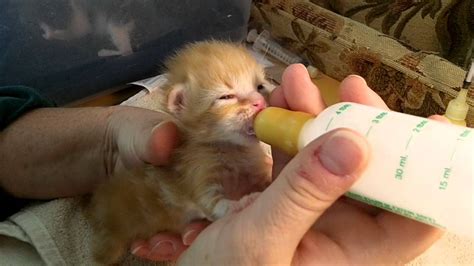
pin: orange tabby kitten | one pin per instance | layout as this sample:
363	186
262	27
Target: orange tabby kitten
214	91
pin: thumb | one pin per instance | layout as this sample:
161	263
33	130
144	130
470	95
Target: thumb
162	142
310	183
151	144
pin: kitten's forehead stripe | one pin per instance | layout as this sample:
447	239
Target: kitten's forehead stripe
228	85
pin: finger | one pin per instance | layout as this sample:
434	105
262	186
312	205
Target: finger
406	236
354	89
439	118
162	247
308	185
377	245
192	231
277	98
280	160
361	206
299	92
163	140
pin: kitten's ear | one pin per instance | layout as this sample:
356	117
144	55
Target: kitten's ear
176	98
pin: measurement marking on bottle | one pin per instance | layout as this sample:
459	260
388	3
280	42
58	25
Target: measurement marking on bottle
454	152
408	142
443	184
375	121
399	172
420	126
379	117
416	130
343	108
368	131
329	123
462	137
465	133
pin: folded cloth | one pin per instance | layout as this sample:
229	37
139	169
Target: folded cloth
57	233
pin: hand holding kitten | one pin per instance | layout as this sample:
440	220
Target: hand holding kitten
69	151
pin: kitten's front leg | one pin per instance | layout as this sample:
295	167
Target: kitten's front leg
120	37
222	207
77	27
225	206
208	193
51	34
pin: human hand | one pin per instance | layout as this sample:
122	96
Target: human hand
145	137
65	152
373	235
137	137
300	218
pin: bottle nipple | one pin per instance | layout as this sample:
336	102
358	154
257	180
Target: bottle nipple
458	108
280	128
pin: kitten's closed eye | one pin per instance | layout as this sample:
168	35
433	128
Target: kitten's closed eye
227	97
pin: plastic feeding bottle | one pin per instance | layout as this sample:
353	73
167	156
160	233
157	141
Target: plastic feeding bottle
419	168
458	108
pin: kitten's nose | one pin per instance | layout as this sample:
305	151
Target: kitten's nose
259	104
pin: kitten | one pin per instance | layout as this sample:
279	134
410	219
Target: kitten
214	91
112	20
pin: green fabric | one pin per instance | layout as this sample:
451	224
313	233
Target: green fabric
14	102
17	100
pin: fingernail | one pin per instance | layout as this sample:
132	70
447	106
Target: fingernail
164	138
161	124
163	248
358	77
188	237
343	153
136	250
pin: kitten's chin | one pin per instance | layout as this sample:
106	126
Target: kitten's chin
245	138
252	138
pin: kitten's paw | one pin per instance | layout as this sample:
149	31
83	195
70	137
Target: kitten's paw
222	207
107	52
225	206
246	201
47	31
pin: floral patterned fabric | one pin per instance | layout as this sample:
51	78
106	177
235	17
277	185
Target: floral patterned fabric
409	80
444	27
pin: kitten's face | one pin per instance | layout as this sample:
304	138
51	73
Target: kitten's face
221	90
232	107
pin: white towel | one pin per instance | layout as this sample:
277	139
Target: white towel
52	233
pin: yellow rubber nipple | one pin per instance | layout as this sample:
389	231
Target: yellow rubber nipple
280	128
457	109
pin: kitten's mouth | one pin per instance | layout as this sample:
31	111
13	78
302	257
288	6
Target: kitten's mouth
250	131
248	128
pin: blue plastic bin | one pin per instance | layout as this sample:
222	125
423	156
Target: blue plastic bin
71	49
